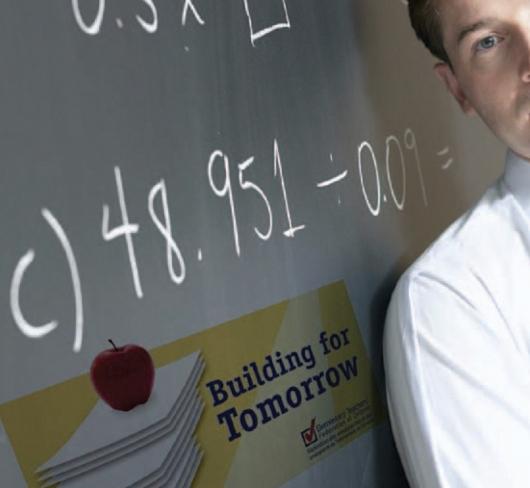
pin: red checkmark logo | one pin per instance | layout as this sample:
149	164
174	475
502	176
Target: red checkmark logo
309	436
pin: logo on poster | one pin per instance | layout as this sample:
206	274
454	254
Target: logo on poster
309	436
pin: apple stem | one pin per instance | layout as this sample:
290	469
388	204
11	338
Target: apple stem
113	345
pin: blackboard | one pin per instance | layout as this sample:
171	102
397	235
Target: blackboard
169	167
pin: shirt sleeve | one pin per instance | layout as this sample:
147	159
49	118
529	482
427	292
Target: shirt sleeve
457	388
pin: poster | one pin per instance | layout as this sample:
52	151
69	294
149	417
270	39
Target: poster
250	402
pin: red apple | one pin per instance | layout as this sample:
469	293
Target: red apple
123	376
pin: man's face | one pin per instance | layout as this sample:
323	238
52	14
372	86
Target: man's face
488	43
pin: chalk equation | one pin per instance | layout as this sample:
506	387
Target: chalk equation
227	182
90	22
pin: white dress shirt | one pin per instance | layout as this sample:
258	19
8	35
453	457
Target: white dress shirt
456	347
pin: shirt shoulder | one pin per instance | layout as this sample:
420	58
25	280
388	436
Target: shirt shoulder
456	269
478	259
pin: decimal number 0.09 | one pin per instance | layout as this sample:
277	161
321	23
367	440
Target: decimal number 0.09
394	149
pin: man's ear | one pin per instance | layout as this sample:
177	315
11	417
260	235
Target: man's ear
445	73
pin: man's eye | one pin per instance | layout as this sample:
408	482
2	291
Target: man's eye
487	43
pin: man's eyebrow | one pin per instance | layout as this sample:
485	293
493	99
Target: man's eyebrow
472	28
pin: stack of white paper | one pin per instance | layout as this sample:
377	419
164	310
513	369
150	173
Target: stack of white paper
11	474
151	445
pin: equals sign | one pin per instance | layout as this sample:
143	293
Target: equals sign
444	152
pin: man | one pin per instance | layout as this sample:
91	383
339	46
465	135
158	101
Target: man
457	335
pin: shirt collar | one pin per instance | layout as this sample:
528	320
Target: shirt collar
517	179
